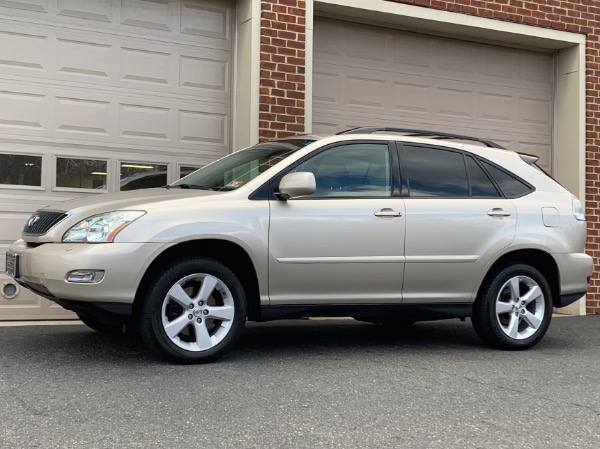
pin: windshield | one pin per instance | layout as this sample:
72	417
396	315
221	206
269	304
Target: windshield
237	169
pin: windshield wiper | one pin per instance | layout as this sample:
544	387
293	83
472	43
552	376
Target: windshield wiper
192	186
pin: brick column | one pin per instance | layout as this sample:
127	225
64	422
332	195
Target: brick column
282	66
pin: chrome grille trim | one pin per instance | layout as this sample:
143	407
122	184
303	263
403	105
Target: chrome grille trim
46	220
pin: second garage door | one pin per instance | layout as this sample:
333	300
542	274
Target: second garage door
365	75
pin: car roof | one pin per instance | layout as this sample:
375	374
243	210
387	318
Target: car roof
402	134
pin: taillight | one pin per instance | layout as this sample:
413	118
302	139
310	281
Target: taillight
578	212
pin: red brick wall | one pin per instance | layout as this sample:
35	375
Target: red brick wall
282	64
282	85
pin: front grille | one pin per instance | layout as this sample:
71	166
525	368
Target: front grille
42	221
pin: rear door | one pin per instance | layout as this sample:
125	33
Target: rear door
456	221
345	243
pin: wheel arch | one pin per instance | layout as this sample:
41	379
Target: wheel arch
228	253
539	259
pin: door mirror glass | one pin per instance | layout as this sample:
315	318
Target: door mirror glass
297	184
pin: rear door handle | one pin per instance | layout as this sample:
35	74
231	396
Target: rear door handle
498	212
387	213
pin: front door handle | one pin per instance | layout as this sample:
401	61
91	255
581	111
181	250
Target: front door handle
387	213
498	212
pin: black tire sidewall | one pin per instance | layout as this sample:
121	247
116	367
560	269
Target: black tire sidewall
151	327
484	311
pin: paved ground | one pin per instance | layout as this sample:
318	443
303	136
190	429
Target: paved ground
303	384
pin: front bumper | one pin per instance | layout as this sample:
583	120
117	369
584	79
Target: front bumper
44	268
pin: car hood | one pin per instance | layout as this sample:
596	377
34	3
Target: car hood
145	199
137	199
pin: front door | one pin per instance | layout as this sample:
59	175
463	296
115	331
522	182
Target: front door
345	243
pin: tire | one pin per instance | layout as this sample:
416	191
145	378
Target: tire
391	322
514	308
194	311
102	326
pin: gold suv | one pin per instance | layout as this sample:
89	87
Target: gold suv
386	225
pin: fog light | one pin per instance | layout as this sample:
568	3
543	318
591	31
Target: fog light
85	276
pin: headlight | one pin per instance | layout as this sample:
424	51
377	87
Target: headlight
101	228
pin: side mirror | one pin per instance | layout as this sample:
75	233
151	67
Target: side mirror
297	184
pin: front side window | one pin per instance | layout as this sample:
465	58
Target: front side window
434	172
352	170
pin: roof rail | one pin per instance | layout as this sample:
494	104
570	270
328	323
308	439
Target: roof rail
419	133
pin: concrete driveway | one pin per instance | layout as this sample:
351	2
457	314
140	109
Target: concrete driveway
304	384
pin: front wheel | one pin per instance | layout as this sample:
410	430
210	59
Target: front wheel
194	312
514	308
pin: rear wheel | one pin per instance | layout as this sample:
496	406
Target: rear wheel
194	312
514	308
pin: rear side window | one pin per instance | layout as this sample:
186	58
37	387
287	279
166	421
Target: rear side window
481	185
511	186
434	172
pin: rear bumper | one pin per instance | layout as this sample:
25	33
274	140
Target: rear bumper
575	270
565	300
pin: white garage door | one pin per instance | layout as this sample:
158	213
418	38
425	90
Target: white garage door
99	96
366	75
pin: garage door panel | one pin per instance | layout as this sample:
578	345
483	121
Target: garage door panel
535	111
409	97
23	110
428	82
97	10
100	117
27	300
113	82
12	225
204	22
107	62
24	50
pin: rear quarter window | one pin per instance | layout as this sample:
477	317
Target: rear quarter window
511	186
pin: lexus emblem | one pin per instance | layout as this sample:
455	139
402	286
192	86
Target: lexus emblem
32	220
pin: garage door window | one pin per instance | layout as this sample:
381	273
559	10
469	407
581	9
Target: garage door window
185	170
81	173
20	170
140	175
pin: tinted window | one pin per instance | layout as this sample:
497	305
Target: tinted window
510	186
436	172
351	170
481	185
